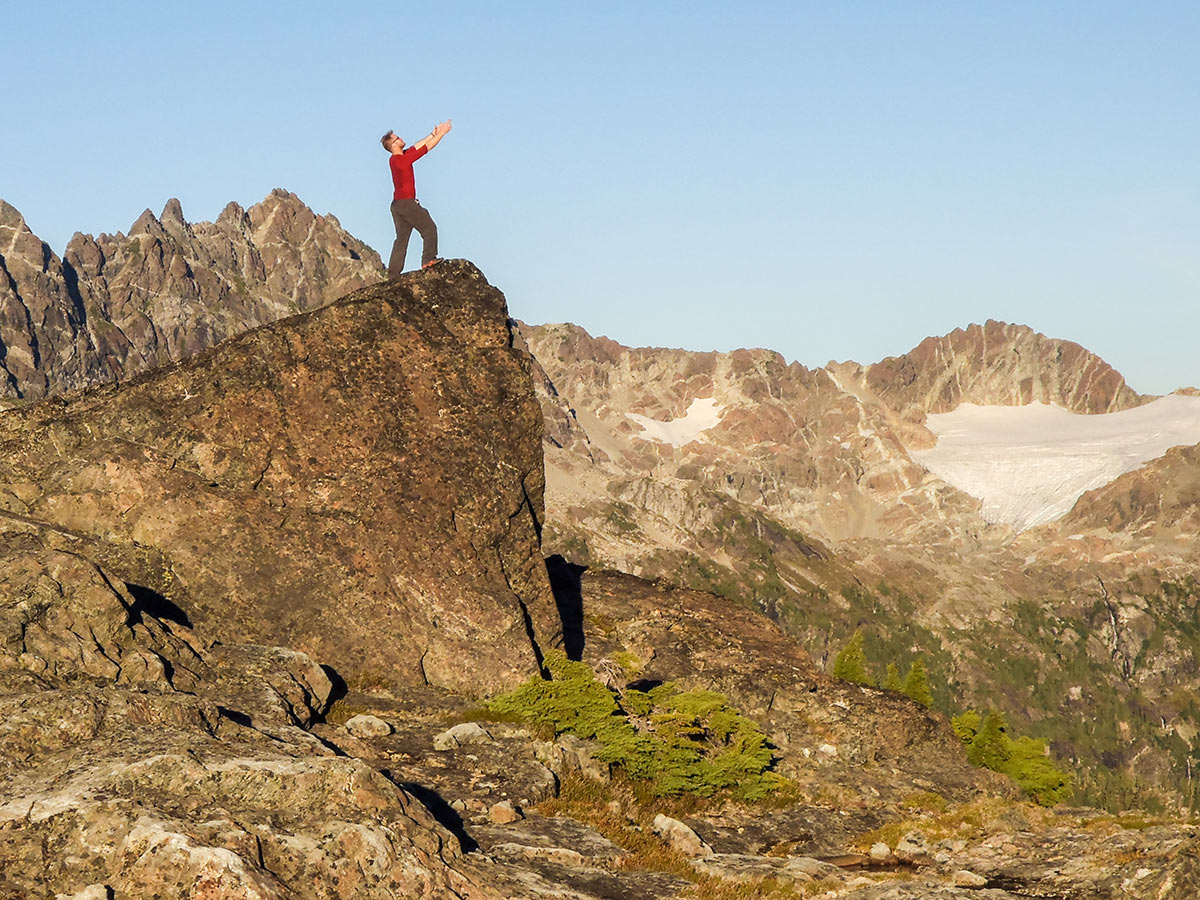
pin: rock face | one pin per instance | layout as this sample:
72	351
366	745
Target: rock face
114	306
190	560
362	483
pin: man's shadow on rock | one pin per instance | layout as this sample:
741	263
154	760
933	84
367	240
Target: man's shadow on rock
566	580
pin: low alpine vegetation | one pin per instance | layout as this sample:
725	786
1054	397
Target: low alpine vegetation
680	742
1023	759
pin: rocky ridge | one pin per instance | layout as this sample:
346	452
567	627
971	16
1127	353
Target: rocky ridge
117	305
996	364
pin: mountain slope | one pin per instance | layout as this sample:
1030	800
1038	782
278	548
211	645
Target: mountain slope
803	497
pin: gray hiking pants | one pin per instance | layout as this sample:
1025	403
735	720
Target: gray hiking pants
410	214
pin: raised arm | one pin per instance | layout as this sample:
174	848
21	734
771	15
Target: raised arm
435	136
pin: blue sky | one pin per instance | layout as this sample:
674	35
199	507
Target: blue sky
832	180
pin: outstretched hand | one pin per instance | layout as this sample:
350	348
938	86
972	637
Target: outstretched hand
439	132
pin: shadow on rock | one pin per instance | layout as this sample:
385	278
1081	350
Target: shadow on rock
565	582
150	602
446	815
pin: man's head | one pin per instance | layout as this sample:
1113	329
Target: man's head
392	143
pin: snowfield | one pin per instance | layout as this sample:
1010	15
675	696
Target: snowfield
701	415
1029	464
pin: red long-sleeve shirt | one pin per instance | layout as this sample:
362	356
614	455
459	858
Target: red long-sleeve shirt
402	172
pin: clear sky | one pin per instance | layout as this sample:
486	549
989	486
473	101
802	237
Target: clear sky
833	180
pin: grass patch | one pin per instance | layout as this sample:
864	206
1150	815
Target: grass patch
926	801
498	717
967	821
623	812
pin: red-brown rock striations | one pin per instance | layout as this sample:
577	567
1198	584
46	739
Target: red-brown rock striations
999	364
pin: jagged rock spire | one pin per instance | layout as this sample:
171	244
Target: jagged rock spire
126	303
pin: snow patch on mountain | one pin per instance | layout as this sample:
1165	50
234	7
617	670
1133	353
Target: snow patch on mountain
1029	464
701	415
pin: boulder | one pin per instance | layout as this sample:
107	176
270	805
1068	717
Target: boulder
504	813
460	734
368	726
914	848
965	878
880	853
680	837
361	483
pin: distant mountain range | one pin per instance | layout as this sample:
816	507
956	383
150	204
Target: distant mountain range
814	495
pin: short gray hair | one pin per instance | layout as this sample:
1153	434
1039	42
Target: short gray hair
387	138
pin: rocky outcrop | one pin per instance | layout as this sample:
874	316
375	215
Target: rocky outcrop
1164	496
362	483
117	305
1001	365
138	758
872	743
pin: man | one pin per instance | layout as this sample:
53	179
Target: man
407	212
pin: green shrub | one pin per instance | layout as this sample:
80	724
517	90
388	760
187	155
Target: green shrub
682	742
1023	759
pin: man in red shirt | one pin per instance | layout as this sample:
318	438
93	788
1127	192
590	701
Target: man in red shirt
407	212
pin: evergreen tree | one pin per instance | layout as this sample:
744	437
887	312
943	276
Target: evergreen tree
966	726
851	662
1030	766
989	748
892	680
916	683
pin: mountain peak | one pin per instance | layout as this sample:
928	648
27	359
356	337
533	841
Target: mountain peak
173	211
10	217
146	223
233	214
999	364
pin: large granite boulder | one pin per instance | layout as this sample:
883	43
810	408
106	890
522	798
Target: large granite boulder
362	483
